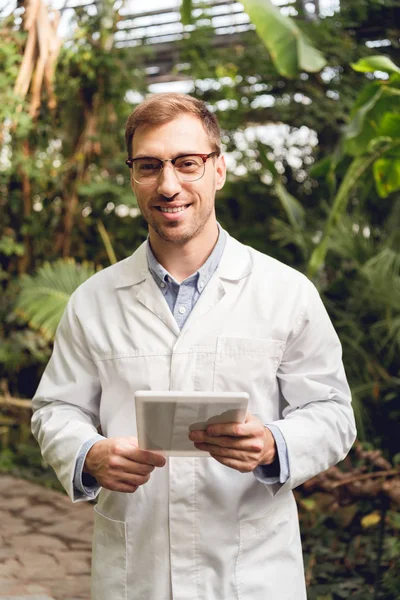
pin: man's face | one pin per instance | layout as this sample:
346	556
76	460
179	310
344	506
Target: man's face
183	135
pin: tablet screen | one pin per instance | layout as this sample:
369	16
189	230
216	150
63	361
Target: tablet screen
164	419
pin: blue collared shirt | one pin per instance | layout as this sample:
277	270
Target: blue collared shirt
181	299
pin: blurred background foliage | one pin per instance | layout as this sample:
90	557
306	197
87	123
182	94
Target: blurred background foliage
314	180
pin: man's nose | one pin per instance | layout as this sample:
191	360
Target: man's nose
168	182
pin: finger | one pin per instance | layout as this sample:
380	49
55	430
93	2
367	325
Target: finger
223	452
247	429
120	486
145	457
247	444
242	467
130	479
122	464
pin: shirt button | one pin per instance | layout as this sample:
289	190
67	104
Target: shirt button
182	310
201	284
162	284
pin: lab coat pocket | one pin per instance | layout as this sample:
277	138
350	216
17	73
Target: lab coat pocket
109	559
267	565
247	365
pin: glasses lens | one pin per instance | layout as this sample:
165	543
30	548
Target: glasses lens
189	168
146	169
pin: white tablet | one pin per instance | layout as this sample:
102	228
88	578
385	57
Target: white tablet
164	419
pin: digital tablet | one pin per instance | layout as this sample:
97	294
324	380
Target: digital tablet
164	419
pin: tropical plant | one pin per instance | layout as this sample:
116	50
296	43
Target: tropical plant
290	49
371	141
44	296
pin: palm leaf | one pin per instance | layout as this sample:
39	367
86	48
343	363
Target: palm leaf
383	274
350	244
44	296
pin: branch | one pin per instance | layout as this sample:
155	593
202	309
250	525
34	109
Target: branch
15	403
365	476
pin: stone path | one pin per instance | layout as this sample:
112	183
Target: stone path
45	543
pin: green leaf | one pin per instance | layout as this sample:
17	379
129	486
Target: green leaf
353	174
44	296
378	62
290	49
308	503
294	210
186	12
321	168
355	126
387	176
390	125
310	59
9	247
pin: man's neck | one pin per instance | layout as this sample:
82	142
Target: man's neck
182	260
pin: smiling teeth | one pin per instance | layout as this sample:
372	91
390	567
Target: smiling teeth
173	210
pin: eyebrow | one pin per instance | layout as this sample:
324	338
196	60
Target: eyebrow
176	155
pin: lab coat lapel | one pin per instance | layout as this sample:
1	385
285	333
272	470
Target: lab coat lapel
152	298
211	296
135	273
235	265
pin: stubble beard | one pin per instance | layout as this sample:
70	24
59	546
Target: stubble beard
166	233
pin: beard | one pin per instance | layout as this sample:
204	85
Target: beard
179	232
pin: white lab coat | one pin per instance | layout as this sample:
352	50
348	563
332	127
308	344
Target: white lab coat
197	530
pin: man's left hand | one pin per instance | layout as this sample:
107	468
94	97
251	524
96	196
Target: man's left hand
240	446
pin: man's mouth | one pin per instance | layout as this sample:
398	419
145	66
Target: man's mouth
170	209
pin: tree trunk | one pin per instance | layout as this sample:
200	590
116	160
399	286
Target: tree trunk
25	260
85	147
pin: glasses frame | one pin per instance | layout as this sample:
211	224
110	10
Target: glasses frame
204	157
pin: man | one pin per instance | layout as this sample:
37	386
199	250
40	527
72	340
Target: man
193	309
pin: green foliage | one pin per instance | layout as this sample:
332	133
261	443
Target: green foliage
372	138
375	63
186	12
340	554
10	61
9	247
43	297
23	459
289	48
22	348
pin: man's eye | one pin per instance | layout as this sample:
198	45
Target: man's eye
189	163
148	167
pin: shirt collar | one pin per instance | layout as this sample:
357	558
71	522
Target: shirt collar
203	274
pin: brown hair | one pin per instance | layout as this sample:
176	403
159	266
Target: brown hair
161	108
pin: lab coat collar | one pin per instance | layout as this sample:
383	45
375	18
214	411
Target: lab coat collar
235	265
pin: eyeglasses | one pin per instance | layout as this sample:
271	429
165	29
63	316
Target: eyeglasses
187	167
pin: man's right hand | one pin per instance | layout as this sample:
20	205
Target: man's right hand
119	465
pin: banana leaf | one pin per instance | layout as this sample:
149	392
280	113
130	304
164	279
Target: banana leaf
291	51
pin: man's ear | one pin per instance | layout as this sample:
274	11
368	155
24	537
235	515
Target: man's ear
220	176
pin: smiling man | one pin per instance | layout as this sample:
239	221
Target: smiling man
193	309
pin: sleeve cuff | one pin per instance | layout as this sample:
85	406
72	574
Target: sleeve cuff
278	472
84	484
